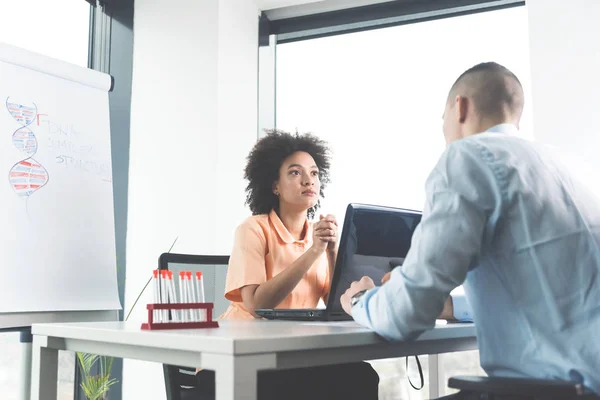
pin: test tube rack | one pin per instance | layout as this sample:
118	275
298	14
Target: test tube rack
209	323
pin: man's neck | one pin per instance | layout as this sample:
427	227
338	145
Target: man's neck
490	124
486	124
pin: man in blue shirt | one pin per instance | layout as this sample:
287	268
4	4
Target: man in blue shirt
507	220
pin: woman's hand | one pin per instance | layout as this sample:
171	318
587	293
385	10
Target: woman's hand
325	233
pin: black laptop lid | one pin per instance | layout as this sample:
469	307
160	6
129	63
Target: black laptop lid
375	239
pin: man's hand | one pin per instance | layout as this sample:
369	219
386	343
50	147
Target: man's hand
386	277
364	283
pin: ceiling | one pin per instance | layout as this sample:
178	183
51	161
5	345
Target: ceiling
272	4
280	9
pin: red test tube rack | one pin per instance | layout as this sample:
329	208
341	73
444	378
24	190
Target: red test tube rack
209	323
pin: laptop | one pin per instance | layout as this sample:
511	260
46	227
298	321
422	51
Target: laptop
375	240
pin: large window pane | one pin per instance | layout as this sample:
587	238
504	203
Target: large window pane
59	29
378	98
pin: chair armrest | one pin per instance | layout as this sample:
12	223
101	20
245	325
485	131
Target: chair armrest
518	386
176	377
186	376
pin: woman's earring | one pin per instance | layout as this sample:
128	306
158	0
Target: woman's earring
277	194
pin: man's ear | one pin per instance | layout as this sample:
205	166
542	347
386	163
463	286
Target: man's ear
462	108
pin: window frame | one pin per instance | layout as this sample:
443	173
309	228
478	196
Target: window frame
374	16
110	50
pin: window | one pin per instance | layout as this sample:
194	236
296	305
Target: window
59	29
378	97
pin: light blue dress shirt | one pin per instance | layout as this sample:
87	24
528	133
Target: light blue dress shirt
506	219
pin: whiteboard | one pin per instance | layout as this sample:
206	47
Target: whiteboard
57	243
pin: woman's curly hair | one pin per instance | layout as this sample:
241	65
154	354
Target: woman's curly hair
265	160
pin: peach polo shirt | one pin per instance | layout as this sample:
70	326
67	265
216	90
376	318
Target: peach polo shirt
263	247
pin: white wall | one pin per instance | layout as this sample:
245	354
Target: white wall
193	121
565	71
237	113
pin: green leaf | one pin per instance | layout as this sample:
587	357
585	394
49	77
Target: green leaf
95	386
86	362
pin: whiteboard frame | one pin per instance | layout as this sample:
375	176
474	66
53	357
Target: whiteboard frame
22	320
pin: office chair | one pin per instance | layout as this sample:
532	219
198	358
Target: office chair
180	382
491	388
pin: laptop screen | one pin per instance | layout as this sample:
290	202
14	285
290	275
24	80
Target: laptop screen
374	240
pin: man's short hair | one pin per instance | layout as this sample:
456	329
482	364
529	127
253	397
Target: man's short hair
493	88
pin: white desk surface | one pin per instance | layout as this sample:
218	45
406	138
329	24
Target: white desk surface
241	337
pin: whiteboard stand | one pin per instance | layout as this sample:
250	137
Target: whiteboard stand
48	101
21	322
25	381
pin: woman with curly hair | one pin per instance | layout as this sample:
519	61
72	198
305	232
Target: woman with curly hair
281	259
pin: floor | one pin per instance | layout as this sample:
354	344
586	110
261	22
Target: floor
393	381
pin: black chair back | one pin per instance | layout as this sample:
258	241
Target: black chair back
181	382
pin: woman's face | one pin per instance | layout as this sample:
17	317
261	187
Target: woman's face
298	185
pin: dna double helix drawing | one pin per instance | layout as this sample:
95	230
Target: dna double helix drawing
27	175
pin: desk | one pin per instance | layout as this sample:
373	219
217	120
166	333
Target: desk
236	351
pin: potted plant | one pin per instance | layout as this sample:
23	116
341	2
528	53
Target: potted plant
95	387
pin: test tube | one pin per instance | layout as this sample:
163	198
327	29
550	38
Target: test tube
156	294
172	296
190	294
200	291
164	298
182	297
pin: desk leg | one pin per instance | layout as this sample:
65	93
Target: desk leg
237	377
44	370
437	386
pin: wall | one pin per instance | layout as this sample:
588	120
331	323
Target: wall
237	113
193	121
565	64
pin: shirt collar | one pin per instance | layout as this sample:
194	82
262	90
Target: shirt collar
506	128
284	234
